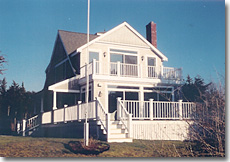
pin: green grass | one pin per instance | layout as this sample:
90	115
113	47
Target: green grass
11	146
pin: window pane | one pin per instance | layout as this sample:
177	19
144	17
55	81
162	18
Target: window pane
130	59
131	95
151	61
116	58
93	55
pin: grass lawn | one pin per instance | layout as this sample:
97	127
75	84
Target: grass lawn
11	146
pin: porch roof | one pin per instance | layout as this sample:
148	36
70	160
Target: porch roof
69	86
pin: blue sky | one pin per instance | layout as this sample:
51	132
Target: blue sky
191	33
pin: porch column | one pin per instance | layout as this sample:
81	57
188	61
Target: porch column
54	100
141	99
151	109
180	109
119	68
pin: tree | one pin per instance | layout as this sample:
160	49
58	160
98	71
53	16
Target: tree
2	62
194	90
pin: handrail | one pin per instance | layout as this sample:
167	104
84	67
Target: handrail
124	116
32	122
102	115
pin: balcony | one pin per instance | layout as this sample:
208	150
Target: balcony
132	70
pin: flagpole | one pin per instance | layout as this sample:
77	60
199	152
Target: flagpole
86	125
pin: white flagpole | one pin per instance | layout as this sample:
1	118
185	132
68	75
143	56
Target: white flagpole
86	125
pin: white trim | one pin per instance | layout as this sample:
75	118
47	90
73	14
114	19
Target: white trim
164	58
126	79
67	90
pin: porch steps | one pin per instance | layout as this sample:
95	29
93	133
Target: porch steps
118	133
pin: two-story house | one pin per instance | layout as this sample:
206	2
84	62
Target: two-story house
132	95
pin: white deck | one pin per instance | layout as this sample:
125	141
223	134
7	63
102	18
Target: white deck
153	120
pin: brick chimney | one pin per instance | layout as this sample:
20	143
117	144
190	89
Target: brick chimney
151	33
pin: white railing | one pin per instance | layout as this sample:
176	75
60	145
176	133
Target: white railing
33	122
128	70
27	125
47	117
114	69
83	69
160	109
132	70
59	115
172	73
102	117
138	109
153	72
124	116
76	112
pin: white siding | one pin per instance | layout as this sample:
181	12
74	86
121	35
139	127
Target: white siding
161	130
124	36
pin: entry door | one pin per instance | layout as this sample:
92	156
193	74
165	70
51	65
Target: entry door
113	100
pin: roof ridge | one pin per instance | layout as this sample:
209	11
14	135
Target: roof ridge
73	32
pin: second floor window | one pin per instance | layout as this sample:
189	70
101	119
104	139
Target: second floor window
127	57
93	55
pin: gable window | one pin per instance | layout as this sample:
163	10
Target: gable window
93	55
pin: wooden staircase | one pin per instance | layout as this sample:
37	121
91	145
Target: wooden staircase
118	133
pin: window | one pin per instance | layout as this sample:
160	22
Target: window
128	59
83	90
93	55
151	61
123	56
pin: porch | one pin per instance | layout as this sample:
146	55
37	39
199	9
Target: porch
129	117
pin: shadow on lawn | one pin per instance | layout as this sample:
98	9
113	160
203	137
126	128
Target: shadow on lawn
94	147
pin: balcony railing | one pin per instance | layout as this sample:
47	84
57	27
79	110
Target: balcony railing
132	70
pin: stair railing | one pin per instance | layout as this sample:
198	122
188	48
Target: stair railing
124	116
102	116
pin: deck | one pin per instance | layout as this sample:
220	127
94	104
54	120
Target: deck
133	117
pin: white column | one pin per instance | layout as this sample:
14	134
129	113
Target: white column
119	68
79	110
180	110
118	108
107	125
54	100
141	99
23	127
151	109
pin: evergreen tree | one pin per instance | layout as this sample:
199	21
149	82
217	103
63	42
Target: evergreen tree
194	90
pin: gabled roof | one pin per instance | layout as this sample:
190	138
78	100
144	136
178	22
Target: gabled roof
73	40
163	57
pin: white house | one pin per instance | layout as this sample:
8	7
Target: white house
132	95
